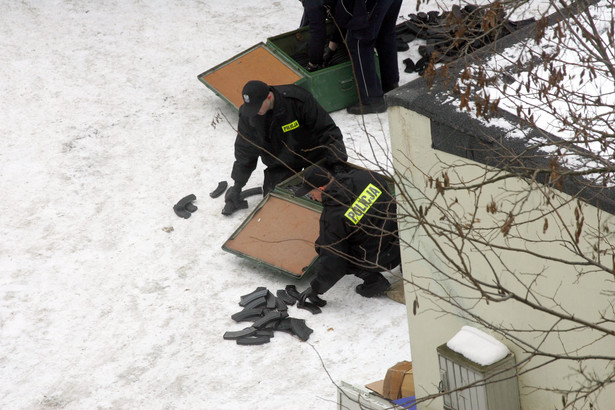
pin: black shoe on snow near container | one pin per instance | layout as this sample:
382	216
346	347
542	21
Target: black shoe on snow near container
374	107
369	290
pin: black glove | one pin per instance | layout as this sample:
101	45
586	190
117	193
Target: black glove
311	296
311	67
233	201
327	56
233	194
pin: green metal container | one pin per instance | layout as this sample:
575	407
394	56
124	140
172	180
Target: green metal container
333	87
280	232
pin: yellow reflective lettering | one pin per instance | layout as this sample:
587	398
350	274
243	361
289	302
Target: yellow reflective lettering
362	204
374	191
350	215
291	126
365	201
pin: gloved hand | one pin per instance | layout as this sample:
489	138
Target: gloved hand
312	67
311	296
327	56
233	194
233	201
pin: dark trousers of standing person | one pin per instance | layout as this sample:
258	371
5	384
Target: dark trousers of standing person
315	16
381	36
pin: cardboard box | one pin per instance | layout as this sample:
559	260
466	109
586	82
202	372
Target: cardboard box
394	380
398	382
407	385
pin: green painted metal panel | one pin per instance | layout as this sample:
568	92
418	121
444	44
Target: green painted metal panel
333	87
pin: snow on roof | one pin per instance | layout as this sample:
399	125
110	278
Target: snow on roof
580	134
457	130
477	346
595	117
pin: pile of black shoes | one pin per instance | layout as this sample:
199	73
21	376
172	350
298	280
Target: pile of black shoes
269	313
452	34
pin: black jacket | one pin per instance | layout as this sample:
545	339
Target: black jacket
295	133
358	228
353	14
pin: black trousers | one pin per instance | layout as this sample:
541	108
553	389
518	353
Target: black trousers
386	261
380	36
315	16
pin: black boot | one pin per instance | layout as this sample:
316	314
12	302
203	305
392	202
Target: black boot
387	88
371	288
371	107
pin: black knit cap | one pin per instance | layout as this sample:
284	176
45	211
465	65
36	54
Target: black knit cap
254	93
314	177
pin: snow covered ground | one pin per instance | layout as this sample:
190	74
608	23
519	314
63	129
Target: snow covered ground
109	300
104	127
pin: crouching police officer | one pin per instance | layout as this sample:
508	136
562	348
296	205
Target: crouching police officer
288	129
358	230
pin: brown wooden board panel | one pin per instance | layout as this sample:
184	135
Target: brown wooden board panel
280	234
258	63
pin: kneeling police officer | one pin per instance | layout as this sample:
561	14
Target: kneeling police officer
358	230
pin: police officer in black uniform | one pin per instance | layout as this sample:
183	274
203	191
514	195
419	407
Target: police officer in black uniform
288	129
358	230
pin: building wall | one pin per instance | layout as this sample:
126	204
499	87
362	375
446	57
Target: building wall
436	321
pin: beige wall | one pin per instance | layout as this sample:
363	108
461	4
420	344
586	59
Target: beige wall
414	162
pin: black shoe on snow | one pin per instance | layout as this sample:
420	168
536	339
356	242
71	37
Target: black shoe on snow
373	107
369	290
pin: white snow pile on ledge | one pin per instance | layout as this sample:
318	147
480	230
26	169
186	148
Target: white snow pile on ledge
477	346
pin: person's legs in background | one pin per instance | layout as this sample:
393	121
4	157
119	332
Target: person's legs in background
361	47
362	55
315	16
386	46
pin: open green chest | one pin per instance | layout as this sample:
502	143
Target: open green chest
277	62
